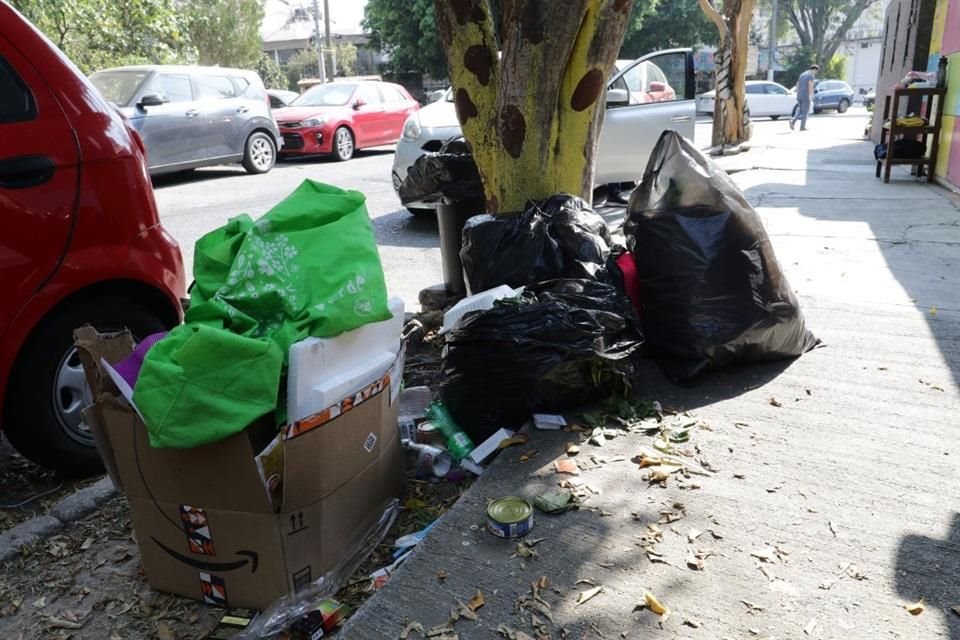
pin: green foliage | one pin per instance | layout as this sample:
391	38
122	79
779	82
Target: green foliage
346	58
407	31
225	32
271	73
801	59
104	33
821	25
665	24
302	64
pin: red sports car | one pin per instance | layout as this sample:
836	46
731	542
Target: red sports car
80	243
340	117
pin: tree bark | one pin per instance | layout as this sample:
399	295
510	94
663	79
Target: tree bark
533	116
731	126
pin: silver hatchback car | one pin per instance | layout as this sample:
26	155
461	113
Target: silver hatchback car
191	116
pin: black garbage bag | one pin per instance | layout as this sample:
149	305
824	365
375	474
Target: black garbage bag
449	173
565	344
560	237
711	290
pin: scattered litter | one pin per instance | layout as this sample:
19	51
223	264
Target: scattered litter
572	449
566	465
410	628
774	402
549	422
916	608
811	627
751	608
956	609
833	529
476	601
509	517
555	501
588	594
693	534
485	450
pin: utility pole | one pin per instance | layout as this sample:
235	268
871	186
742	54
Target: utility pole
333	54
316	31
773	43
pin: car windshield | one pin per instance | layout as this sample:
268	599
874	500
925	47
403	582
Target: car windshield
119	87
326	95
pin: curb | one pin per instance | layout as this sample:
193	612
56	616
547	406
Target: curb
69	509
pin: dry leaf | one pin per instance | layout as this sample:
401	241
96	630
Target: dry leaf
692	623
588	594
441	575
86	544
527	455
764	555
543	582
811	626
40	602
523	551
956	609
572	449
751	608
774	402
567	466
694	562
520	438
410	628
653	604
693	534
833	529
476	601
916	608
58	623
164	632
588	581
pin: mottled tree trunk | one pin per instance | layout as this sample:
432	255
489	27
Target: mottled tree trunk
731	126
533	115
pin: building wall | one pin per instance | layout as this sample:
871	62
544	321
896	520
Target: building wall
908	29
862	62
945	41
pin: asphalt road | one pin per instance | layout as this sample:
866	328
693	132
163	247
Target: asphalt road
195	203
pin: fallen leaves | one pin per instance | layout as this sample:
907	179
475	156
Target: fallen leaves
589	594
555	501
774	402
654	605
567	466
410	628
916	608
476	601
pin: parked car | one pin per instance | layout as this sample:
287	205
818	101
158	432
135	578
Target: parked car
338	118
280	98
80	243
644	97
192	117
829	95
764	99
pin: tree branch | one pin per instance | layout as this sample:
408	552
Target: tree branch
715	17
833	42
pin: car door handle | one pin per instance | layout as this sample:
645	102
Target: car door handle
243	109
681	119
23	172
192	113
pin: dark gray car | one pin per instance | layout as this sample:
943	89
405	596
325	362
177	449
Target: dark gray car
191	116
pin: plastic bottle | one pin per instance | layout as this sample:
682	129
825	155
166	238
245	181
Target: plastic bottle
459	444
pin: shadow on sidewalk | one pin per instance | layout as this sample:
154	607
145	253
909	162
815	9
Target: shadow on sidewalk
927	568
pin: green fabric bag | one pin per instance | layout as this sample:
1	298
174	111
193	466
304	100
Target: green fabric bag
309	267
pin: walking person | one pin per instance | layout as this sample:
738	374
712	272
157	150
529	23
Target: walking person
804	96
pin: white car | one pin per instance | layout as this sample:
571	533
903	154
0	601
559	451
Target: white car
644	97
764	99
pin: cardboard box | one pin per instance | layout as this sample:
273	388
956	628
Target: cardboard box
211	525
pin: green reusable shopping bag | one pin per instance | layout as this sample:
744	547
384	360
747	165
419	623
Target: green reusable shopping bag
308	267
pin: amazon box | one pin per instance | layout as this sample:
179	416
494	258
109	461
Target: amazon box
256	516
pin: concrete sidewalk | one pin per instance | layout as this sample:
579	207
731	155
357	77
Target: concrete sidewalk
835	501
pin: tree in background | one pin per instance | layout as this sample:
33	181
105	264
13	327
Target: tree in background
801	59
532	114
271	73
731	127
96	34
225	32
822	25
406	30
665	24
346	58
302	64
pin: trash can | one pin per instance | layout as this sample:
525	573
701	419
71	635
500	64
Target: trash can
451	217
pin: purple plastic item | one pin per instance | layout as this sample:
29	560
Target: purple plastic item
129	367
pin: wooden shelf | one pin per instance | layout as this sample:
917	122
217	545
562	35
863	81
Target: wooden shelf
891	131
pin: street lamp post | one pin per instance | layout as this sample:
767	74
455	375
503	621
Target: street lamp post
316	27
771	65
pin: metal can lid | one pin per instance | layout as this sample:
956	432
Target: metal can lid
510	510
426	427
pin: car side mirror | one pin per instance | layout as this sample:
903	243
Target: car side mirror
153	100
617	97
359	102
657	87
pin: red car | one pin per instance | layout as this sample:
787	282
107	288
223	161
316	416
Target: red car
340	117
80	242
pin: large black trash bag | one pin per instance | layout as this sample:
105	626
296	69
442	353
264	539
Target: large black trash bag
565	344
449	173
560	237
711	290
